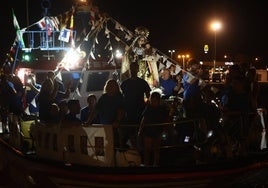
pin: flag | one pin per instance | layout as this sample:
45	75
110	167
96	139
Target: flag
178	69
46	24
19	38
64	35
55	22
42	24
72	27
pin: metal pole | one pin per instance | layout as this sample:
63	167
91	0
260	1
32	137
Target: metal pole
183	62
215	49
27	19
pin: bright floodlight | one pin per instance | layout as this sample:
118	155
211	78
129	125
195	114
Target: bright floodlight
215	26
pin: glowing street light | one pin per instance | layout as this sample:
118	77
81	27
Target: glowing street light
183	57
171	53
215	26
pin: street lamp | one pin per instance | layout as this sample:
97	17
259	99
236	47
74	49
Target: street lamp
171	53
183	57
215	26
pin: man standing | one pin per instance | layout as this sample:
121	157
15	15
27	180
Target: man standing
135	91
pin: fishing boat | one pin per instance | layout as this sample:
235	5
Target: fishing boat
34	154
38	154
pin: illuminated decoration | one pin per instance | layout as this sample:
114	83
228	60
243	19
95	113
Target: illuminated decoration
118	54
142	32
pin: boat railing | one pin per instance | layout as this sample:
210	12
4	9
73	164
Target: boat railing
180	133
99	144
47	40
236	135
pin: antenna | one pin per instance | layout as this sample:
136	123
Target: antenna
45	6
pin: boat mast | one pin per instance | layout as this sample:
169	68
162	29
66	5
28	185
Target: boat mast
45	6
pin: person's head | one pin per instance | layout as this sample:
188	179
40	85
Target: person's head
111	87
193	66
142	40
155	99
54	109
165	74
134	69
51	75
252	74
172	68
193	63
232	72
91	99
147	45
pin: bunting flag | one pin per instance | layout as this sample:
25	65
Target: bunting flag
27	111
33	102
111	61
96	41
19	38
78	92
59	76
55	22
161	66
71	28
108	44
107	31
42	24
47	24
178	69
92	55
118	26
65	35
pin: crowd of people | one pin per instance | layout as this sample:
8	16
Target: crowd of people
133	101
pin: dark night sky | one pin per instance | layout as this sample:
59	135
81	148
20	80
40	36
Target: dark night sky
173	24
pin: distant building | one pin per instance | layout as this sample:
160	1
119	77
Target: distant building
262	75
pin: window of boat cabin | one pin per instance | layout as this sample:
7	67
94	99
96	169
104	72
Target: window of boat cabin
73	76
97	80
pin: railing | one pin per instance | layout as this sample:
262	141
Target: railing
180	133
46	40
183	137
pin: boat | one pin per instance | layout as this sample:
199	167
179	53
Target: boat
34	154
37	154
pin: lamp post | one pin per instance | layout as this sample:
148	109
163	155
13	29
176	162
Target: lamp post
215	26
183	57
171	53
